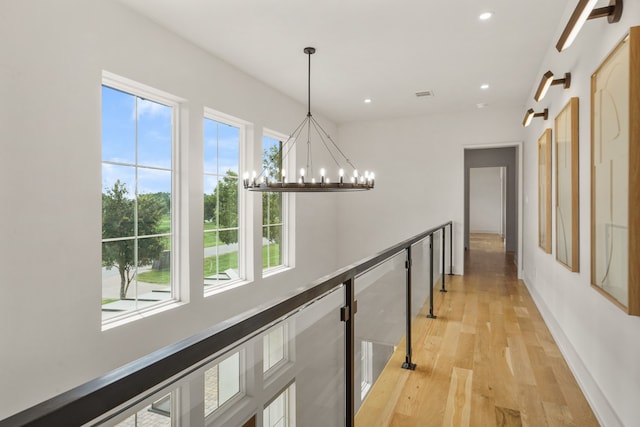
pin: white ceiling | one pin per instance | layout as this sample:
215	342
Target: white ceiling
385	50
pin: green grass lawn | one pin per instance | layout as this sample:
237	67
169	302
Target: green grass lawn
224	261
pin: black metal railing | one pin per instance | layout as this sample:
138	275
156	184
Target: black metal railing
91	400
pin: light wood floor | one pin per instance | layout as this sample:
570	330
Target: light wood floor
487	360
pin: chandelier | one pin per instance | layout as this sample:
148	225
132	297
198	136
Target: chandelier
306	181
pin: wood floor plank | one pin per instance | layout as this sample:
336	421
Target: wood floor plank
487	360
506	417
458	410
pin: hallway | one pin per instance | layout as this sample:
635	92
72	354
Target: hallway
487	360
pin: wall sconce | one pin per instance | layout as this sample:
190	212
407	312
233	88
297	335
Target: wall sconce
548	81
585	10
531	114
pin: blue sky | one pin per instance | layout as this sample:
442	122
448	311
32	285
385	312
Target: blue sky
134	126
221	152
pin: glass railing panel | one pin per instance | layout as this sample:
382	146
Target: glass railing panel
437	260
289	373
319	355
380	321
419	279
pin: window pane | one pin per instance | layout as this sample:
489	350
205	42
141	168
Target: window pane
154	134
118	205
228	148
227	196
210	147
154	201
118	126
210	202
221	260
154	265
271	253
211	390
229	378
157	414
221	383
118	270
273	348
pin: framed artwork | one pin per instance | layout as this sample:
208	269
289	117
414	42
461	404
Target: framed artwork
567	188
544	191
615	175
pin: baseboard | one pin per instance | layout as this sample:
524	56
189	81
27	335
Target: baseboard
597	400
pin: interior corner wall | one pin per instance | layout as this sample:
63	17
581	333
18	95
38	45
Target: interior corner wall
485	200
53	55
599	341
419	167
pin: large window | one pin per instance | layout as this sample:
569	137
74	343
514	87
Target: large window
222	255
281	411
137	199
275	348
222	382
273	210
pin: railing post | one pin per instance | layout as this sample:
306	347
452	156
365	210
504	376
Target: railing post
407	361
451	248
347	314
431	315
444	250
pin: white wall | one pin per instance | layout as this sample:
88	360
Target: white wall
419	167
53	54
485	200
599	341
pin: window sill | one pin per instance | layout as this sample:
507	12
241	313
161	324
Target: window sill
140	314
223	287
275	270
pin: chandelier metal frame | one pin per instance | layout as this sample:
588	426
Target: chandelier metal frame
266	183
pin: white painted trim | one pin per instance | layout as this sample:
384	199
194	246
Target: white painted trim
597	399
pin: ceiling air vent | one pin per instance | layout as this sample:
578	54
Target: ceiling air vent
424	93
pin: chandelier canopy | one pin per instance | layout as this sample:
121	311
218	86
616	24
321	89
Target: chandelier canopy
306	180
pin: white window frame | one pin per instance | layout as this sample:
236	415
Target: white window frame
277	369
366	368
244	216
289	393
231	403
288	206
141	90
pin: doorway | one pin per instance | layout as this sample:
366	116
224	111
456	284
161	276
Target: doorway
487	166
487	206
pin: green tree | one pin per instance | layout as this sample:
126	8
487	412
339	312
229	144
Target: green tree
210	207
118	221
272	202
226	207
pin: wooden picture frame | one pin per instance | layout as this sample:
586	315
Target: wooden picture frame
567	187
615	175
544	191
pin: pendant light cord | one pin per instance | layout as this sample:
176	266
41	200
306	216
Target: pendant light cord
309	85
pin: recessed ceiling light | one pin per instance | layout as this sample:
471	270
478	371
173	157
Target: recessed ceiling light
482	105
367	101
484	86
484	16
